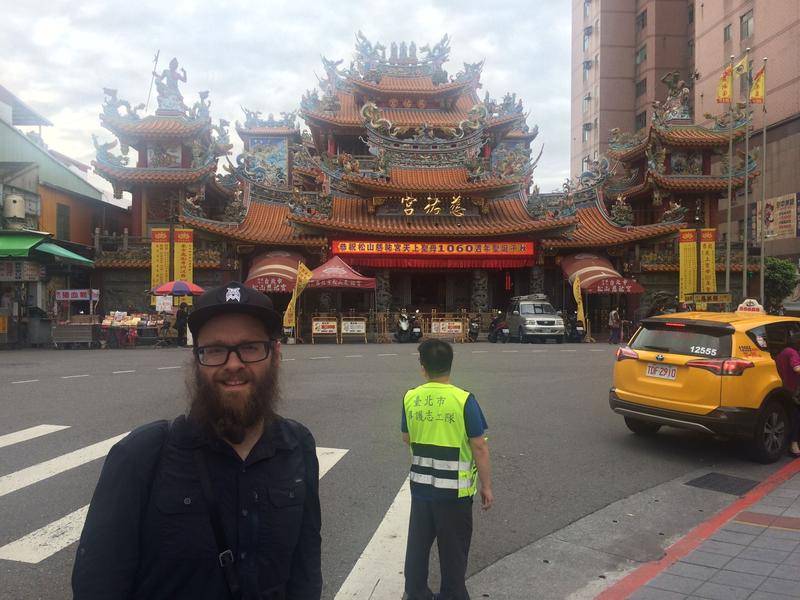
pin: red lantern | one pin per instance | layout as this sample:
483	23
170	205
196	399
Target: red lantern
508	281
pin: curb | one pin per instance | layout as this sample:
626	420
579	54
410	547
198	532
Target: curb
640	576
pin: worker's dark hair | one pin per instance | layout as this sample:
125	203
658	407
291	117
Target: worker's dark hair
436	357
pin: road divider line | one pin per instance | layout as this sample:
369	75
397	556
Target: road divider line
319	357
597	350
168	368
538	351
120	372
510	351
73	376
43	543
388	354
287	359
378	572
25	381
49	468
480	351
30	433
38	545
565	350
354	356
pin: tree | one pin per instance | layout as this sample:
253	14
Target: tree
780	279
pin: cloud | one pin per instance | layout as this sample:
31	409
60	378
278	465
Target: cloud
58	56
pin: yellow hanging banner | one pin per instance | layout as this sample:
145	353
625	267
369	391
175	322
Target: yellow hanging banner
159	259
303	277
724	86
688	263
708	260
184	260
576	291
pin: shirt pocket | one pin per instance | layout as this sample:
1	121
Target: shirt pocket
281	514
183	528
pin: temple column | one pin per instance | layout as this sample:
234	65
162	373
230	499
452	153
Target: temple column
537	280
383	290
331	146
479	299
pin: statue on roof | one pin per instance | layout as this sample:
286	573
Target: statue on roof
412	53
112	104
471	71
676	106
201	108
222	144
381	164
104	153
474	164
621	212
477	118
675	214
310	100
436	57
169	96
368	57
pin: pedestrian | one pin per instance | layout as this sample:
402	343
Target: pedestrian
614	323
181	321
788	363
222	502
444	426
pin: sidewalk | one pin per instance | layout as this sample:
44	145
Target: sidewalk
749	550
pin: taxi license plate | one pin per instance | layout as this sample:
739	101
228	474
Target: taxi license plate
662	371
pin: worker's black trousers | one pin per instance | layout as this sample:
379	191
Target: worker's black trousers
450	524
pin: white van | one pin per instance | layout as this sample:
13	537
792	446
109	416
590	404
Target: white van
532	317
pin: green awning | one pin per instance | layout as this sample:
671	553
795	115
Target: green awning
18	244
64	254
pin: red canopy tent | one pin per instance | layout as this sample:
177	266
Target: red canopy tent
338	274
598	276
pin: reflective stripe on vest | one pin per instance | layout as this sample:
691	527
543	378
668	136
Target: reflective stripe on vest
441	454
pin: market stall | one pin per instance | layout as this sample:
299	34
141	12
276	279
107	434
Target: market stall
79	329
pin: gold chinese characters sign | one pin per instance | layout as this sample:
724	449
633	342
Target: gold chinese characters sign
430	204
433	205
345	247
159	259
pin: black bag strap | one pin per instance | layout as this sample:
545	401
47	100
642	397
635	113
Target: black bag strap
226	559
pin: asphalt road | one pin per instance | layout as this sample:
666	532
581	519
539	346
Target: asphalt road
558	452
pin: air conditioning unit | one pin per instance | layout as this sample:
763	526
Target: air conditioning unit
587	126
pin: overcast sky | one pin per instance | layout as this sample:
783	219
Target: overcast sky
57	56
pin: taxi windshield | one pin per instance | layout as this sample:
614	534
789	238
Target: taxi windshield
536	309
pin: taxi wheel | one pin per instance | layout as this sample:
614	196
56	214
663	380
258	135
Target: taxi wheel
640	427
772	433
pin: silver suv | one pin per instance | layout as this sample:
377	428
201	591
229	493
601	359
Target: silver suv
532	317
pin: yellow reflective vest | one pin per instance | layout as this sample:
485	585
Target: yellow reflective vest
442	458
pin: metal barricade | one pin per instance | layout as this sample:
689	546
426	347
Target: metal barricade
353	326
325	327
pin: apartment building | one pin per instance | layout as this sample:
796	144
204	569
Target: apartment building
620	51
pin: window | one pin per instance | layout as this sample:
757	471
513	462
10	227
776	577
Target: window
726	33
62	221
746	25
690	49
641	55
586	8
587	65
587	160
640	121
641	20
587	128
690	10
587	103
586	41
641	87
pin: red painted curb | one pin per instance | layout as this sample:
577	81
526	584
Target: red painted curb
635	580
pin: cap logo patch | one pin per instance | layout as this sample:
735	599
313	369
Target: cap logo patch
233	295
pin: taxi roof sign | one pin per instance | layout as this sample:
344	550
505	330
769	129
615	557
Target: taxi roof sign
751	307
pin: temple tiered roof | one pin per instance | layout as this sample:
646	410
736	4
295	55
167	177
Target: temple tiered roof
434	180
153	127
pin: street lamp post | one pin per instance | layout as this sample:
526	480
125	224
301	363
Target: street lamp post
698	226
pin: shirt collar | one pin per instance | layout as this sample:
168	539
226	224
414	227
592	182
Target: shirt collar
187	433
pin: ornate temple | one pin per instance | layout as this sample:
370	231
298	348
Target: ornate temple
408	174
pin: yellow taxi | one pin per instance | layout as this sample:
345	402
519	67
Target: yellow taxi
708	372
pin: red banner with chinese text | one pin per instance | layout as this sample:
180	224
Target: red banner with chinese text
433	249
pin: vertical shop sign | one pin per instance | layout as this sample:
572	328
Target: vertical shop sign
708	260
688	263
184	260
159	259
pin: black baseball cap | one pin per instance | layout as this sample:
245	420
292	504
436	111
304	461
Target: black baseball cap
234	297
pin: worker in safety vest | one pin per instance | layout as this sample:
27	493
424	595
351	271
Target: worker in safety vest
445	428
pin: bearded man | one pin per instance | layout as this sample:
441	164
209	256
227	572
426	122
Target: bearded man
222	502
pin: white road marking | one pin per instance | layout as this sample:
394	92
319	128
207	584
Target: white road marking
25	381
378	573
120	372
567	350
538	351
167	368
319	357
42	543
46	541
509	351
354	356
480	351
25	477
597	350
28	434
287	359
390	354
73	376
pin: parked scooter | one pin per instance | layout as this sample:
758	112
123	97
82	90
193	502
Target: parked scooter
498	329
408	329
574	330
474	328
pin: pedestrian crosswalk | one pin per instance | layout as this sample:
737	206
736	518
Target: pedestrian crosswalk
39	545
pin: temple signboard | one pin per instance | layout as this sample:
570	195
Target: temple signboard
447	248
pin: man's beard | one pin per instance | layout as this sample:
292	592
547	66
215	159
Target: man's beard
231	422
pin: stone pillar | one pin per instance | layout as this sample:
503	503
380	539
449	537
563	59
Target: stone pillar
479	299
537	280
383	290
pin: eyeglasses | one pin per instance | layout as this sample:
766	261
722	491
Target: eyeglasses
247	352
